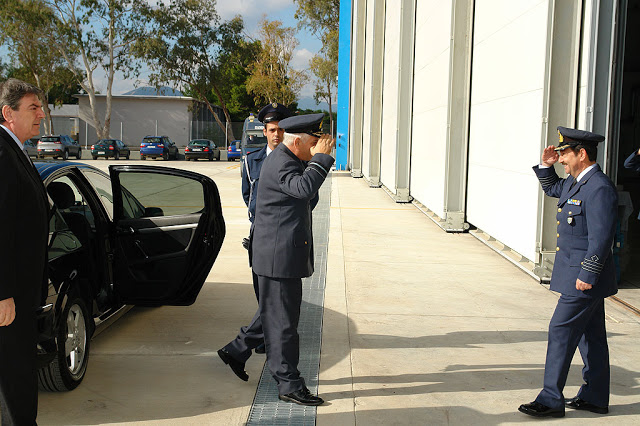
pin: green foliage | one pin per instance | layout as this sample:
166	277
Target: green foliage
186	45
272	77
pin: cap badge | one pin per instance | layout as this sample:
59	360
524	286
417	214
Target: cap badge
560	138
275	105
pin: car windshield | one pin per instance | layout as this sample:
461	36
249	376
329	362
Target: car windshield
50	139
199	143
255	140
152	140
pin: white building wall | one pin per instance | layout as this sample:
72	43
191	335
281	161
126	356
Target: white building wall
583	120
430	103
390	96
508	73
368	89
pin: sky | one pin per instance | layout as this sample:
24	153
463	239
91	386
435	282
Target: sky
252	11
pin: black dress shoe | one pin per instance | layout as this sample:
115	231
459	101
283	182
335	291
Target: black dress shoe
236	366
536	409
578	403
302	397
261	349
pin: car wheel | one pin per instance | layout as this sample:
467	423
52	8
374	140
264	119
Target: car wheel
95	157
67	369
79	155
210	157
117	155
218	157
142	157
128	155
165	156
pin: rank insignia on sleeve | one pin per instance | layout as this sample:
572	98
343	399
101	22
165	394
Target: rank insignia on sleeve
574	202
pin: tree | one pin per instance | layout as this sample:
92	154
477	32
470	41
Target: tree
23	27
186	45
322	18
99	33
272	77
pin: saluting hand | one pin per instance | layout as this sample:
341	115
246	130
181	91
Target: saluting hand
7	311
582	286
324	145
549	156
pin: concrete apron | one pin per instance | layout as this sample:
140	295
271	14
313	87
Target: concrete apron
425	327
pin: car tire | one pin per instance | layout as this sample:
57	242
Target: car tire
165	156
218	157
142	157
211	157
116	156
79	155
95	157
128	155
65	155
66	371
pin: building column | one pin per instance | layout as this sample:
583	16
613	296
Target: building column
344	85
357	94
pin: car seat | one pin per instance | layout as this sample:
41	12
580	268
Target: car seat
64	198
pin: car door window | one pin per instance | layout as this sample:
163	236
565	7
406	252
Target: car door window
160	195
102	186
61	239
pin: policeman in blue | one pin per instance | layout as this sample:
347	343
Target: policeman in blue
583	273
270	115
633	162
281	250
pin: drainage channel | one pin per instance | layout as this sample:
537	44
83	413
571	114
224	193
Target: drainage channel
267	409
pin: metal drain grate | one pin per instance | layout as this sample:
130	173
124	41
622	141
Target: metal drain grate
267	409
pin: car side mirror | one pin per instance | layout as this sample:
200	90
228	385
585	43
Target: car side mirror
153	212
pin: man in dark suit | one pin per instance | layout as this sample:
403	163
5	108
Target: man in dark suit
282	252
24	215
270	115
583	273
633	162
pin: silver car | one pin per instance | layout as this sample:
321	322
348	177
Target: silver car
59	146
31	148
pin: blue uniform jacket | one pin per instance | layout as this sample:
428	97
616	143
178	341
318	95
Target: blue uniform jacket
587	216
253	162
633	163
282	238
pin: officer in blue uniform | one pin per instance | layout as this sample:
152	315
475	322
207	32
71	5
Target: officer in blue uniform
633	163
583	273
281	250
270	115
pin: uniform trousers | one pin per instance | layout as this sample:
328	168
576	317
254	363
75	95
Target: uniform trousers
275	323
577	322
18	377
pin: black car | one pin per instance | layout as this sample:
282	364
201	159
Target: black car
143	236
201	148
110	148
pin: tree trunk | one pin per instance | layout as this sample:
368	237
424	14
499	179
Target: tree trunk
228	132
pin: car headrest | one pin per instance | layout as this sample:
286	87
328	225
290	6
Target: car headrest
61	194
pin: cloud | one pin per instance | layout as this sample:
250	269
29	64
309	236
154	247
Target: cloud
301	58
251	10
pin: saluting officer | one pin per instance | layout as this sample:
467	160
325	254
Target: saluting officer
282	252
270	115
583	273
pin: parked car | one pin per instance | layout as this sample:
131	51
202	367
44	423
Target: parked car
110	148
158	146
201	148
234	151
58	146
140	235
31	148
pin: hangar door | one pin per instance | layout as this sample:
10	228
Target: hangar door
506	125
430	103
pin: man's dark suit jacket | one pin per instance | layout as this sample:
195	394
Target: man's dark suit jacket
24	227
282	239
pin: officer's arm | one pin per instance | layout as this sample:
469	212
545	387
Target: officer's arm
633	161
246	185
550	181
9	206
601	215
305	185
314	201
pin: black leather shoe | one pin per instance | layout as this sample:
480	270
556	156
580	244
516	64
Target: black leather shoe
261	349
302	397
236	366
536	409
578	403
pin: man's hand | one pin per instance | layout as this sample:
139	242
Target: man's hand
7	311
638	151
582	286
324	145
549	156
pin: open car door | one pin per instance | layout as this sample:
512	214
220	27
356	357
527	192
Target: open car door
168	230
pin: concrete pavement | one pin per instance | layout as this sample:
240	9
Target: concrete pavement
420	327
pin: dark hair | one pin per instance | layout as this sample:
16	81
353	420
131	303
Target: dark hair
591	150
11	93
